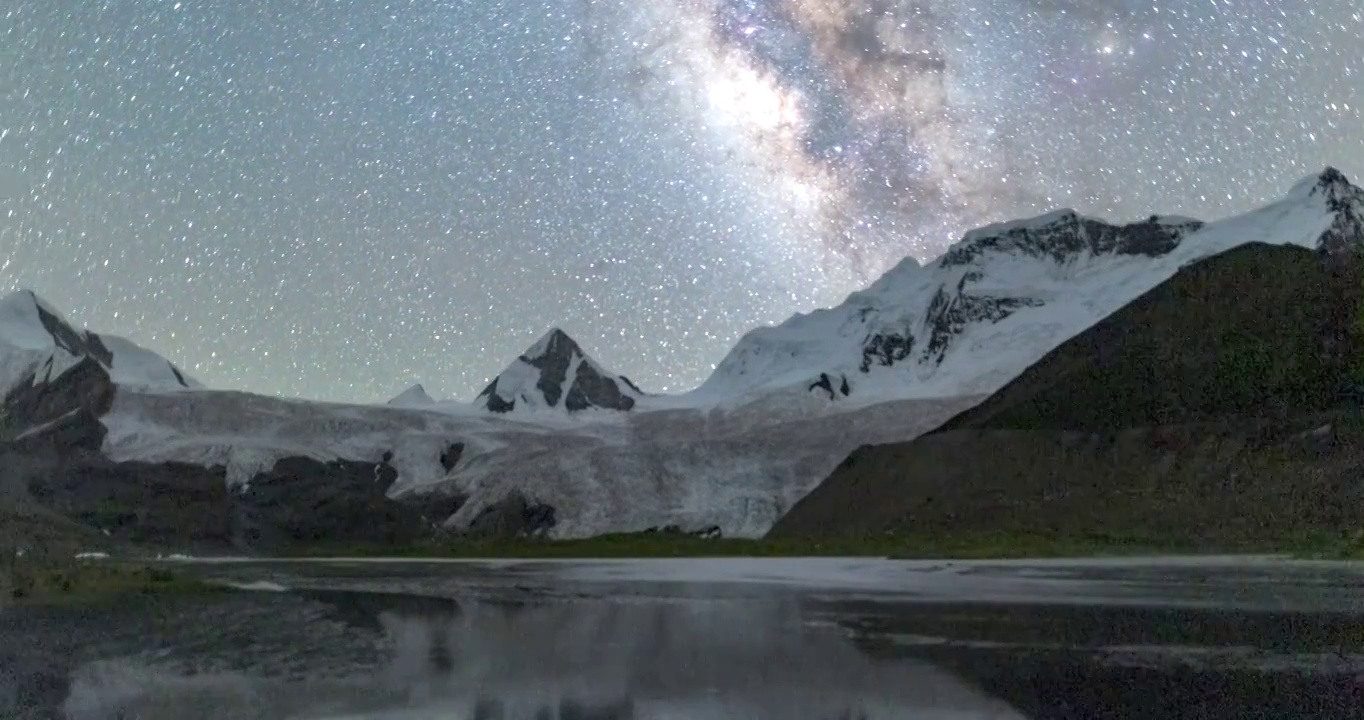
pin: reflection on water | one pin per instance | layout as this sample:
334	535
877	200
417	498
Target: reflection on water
589	660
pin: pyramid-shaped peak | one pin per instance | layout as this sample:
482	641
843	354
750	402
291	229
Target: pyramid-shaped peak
415	396
555	342
555	373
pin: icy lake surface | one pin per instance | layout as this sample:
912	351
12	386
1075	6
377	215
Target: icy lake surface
827	638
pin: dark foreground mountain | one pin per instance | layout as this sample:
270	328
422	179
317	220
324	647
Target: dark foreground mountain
1213	411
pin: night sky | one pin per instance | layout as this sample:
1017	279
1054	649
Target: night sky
336	198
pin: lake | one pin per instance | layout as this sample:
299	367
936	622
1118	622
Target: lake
827	639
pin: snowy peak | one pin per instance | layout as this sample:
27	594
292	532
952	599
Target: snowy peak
889	340
27	322
413	397
1344	207
556	342
1004	295
555	373
36	340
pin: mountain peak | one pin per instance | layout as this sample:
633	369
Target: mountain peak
553	342
555	373
1330	183
27	322
1344	206
415	396
33	334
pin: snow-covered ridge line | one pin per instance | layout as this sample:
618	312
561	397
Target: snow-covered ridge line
37	340
994	302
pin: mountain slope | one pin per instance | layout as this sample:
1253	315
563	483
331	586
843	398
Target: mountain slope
553	374
998	300
38	344
1205	414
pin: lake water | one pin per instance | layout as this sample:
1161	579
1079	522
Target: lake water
822	639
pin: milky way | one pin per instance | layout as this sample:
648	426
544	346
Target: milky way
336	199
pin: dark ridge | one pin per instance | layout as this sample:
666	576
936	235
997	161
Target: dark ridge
1211	412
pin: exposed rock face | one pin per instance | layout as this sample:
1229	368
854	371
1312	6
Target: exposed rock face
67	338
556	373
1066	235
301	501
168	504
826	384
514	516
54	432
58	463
40	398
1345	236
450	458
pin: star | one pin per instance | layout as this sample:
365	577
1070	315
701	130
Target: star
338	200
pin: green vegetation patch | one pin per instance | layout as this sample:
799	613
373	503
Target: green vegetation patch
42	581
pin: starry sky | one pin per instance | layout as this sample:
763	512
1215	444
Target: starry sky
338	198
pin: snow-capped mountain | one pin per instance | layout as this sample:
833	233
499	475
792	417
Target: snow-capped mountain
1003	296
37	342
780	412
413	397
553	374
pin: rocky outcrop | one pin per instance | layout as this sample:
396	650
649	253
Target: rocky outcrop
1064	235
41	398
1344	237
450	458
556	373
515	516
166	504
826	384
302	501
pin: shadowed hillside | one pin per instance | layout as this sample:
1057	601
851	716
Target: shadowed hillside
1206	413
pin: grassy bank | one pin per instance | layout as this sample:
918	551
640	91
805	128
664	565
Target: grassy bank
971	546
43	581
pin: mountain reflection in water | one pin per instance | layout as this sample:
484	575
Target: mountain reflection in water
567	660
